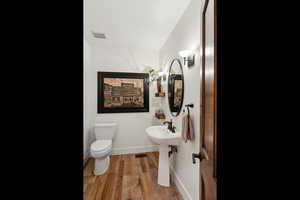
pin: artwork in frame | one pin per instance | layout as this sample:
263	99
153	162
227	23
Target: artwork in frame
121	92
175	92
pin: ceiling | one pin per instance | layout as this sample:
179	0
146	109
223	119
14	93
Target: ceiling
144	24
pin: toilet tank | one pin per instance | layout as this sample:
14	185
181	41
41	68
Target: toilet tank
105	131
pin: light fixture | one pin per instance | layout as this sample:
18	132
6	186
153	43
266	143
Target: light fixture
163	75
188	57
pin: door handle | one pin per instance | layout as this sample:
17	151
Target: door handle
194	156
201	155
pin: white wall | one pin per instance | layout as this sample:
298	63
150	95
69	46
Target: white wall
88	99
131	136
186	35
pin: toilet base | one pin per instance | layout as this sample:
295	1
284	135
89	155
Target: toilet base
101	165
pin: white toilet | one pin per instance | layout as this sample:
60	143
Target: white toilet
101	148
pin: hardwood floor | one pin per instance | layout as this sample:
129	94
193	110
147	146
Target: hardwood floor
128	178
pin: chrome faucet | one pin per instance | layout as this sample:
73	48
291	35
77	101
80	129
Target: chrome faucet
171	127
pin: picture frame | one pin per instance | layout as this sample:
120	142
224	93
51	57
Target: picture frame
174	104
123	92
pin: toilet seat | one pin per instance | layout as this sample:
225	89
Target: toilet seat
101	147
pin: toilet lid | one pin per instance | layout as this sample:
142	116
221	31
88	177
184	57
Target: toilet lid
101	145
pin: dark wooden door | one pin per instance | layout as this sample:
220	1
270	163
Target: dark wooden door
208	104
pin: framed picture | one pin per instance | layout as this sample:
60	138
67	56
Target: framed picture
120	92
175	92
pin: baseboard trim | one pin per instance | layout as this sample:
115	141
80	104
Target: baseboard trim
180	186
137	149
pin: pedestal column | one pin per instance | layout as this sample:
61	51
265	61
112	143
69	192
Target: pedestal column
164	166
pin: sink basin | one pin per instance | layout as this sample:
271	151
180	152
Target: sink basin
161	135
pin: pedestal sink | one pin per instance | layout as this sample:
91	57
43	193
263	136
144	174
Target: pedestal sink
162	136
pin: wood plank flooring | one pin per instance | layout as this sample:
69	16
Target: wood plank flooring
128	178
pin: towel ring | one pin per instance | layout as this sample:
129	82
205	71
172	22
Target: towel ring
188	106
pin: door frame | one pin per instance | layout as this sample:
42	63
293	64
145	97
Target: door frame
215	96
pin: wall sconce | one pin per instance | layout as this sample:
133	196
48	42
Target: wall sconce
163	75
188	57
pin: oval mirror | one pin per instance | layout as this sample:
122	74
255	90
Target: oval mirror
175	87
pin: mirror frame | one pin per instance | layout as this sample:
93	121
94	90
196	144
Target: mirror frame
169	75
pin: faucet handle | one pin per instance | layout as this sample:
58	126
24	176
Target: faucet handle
173	129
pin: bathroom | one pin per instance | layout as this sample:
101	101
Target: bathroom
134	52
